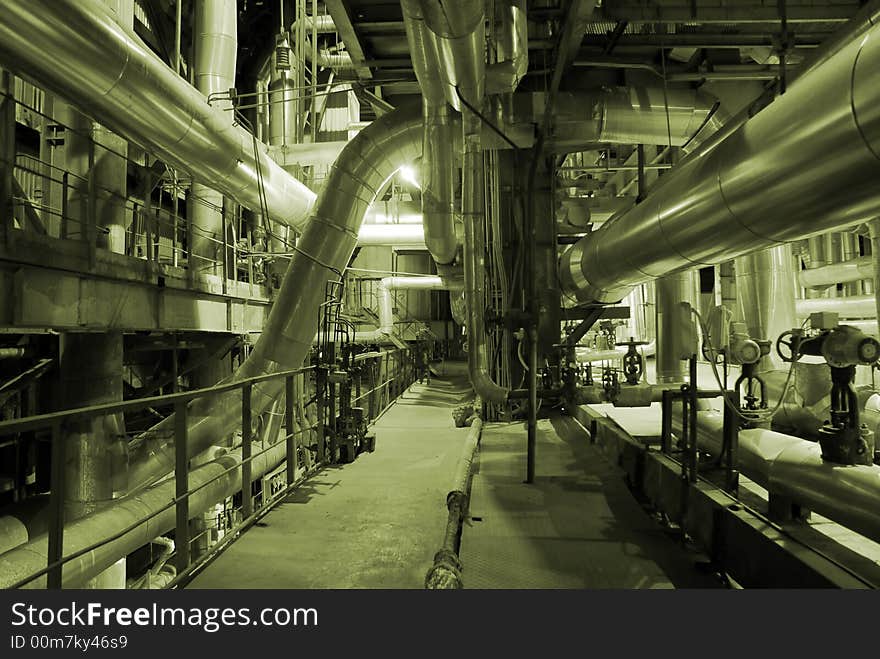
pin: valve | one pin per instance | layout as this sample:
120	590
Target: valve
633	366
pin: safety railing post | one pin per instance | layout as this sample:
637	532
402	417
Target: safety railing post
181	489
289	430
247	504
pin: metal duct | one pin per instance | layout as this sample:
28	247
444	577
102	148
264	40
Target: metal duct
438	160
26	559
459	29
793	467
215	46
837	273
512	50
713	205
76	49
325	247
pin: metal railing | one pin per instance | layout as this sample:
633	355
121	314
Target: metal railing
387	374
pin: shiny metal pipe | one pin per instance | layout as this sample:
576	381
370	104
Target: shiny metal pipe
765	293
713	206
324	249
474	254
857	306
837	273
28	558
392	235
504	75
793	467
385	295
76	49
459	29
670	292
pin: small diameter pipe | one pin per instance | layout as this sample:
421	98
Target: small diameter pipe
445	573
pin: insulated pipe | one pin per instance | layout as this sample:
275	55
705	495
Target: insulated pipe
459	29
438	161
325	247
793	467
76	49
31	557
386	300
712	206
857	306
837	273
392	235
512	49
215	46
475	271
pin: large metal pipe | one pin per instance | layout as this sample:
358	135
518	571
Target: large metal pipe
837	273
77	49
670	292
215	47
385	296
857	306
724	192
323	250
512	48
29	558
438	161
459	29
793	467
398	235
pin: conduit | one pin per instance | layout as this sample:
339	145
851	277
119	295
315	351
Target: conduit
712	206
76	49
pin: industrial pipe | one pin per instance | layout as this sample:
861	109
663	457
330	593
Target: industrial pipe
396	235
793	467
77	49
837	273
386	300
459	29
31	557
856	306
323	251
721	192
512	49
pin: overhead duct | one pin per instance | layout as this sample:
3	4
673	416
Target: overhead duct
438	160
459	29
385	298
76	49
325	247
215	47
512	48
711	207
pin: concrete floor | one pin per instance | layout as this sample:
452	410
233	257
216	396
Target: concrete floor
576	526
374	523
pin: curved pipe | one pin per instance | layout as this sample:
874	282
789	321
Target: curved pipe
76	49
504	75
328	242
723	192
459	29
386	300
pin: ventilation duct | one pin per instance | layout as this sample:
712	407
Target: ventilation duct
712	206
76	49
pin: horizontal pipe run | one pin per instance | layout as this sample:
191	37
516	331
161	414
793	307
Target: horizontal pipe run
77	49
793	467
722	189
855	306
837	273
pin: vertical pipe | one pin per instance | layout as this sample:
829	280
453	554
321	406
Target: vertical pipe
289	430
874	228
181	487
671	291
532	432
247	505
